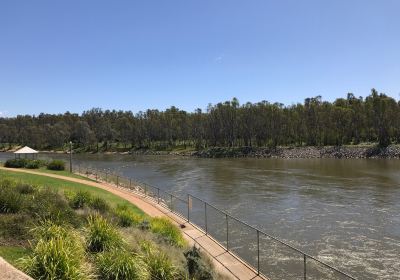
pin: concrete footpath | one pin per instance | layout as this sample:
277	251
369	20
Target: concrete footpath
8	272
225	262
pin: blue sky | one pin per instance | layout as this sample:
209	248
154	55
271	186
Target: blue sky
133	55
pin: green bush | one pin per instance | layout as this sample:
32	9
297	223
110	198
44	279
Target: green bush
197	267
57	257
169	231
116	265
79	199
99	204
11	201
25	188
15	163
56	165
159	265
32	164
48	204
47	230
14	227
101	235
127	218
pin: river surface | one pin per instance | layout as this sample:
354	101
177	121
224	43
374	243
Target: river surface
344	212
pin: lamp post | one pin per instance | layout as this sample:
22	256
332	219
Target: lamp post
70	156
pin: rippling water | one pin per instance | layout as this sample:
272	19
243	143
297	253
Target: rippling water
345	212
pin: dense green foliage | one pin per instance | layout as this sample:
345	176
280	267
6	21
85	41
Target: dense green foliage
170	232
115	265
126	217
196	265
56	165
159	264
348	120
102	235
24	163
57	253
16	163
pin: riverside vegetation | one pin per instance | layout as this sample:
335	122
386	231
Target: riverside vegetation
228	125
69	232
57	165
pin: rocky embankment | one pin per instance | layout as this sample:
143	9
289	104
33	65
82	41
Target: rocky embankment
303	152
370	151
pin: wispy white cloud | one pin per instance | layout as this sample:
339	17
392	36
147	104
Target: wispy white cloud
219	58
3	113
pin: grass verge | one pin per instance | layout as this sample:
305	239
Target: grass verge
65	186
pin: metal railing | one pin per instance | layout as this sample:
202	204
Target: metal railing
260	251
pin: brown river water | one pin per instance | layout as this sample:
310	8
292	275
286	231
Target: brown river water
344	212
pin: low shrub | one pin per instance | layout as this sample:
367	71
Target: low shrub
169	231
48	204
101	235
24	163
115	265
197	267
14	228
144	225
79	199
127	218
57	165
99	204
57	257
32	164
25	188
15	163
11	201
159	265
47	230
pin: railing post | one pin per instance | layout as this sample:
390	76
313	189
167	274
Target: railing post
145	190
106	177
170	202
188	211
130	183
158	195
95	174
258	252
205	216
79	168
117	180
227	233
305	266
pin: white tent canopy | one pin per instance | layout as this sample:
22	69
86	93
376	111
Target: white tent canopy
26	151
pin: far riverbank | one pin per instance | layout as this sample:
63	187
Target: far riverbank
340	152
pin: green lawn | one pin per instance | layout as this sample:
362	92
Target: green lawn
13	253
63	185
62	173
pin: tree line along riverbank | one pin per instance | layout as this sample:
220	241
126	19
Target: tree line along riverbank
345	121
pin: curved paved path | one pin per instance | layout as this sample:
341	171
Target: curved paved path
225	262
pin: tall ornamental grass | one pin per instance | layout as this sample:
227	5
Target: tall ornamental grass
11	201
117	265
57	253
126	217
102	235
168	231
158	263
